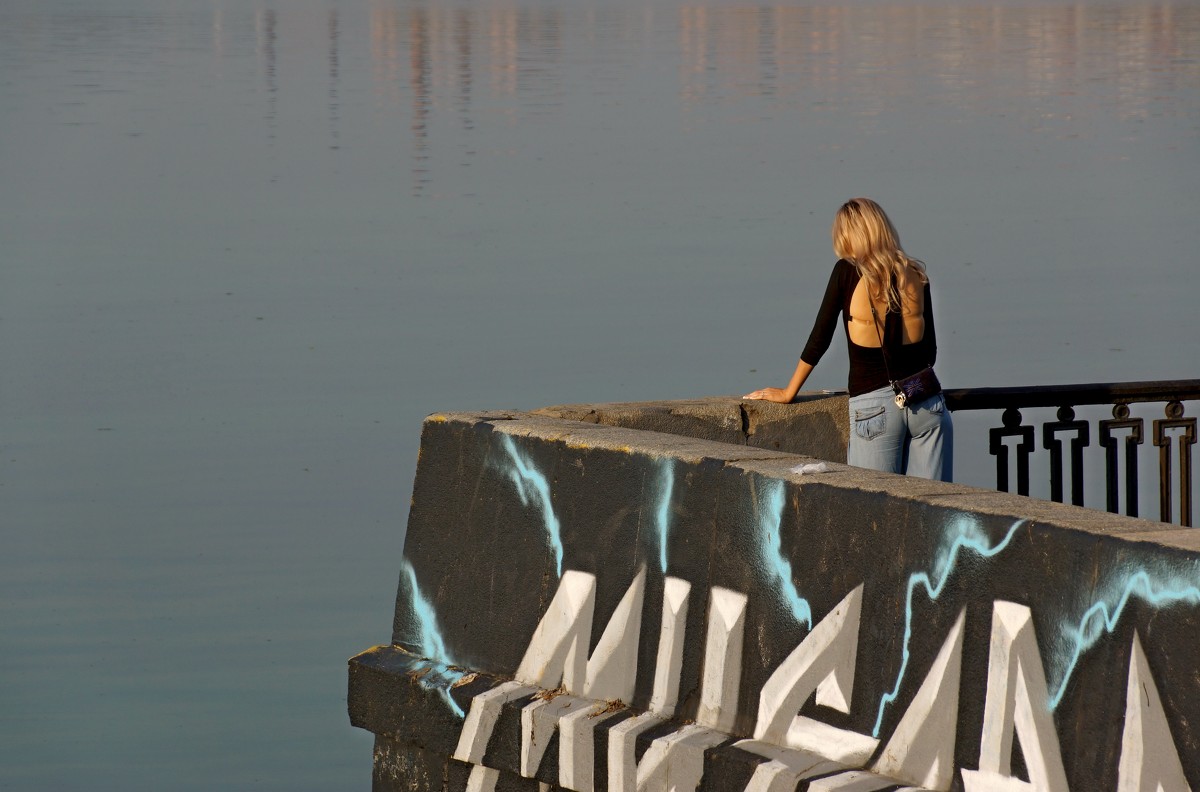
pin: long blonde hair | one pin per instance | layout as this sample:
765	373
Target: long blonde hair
864	236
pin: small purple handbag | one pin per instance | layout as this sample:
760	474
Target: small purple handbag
916	388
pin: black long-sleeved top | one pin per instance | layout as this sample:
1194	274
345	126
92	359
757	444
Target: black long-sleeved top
867	369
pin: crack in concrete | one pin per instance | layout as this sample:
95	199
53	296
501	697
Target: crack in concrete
768	456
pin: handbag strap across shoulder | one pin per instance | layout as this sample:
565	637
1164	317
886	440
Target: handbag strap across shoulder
875	317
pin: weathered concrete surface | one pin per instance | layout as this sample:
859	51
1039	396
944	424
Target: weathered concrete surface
815	424
954	623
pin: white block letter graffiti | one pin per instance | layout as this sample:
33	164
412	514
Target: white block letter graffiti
612	667
722	659
1017	701
1149	761
671	633
823	663
558	651
921	749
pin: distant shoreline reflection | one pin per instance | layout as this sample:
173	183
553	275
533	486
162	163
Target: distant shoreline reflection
441	64
866	57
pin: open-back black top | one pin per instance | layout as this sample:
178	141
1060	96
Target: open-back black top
867	369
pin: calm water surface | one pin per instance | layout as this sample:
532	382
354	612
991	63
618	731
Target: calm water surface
247	246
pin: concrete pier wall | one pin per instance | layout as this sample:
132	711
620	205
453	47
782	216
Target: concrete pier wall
590	607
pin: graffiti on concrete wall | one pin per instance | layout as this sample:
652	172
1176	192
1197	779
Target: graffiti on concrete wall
662	513
533	488
776	565
813	717
1160	589
919	752
964	534
439	669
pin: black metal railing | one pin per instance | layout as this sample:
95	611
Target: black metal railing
1066	438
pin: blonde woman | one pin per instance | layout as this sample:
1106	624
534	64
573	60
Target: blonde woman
882	295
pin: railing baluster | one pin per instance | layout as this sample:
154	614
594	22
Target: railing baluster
1066	422
1012	428
1175	420
1121	420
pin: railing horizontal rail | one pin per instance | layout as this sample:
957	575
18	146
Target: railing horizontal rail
1072	395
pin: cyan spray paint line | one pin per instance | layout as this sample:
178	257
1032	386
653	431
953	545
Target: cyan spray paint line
1157	590
777	566
534	489
665	489
441	672
963	534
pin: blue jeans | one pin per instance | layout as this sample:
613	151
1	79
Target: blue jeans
917	440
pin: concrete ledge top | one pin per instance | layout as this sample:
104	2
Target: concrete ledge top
709	406
815	424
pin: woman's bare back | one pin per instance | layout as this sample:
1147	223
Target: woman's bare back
862	328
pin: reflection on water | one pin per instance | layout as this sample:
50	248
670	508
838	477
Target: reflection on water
1070	62
333	78
249	244
266	22
433	53
1124	60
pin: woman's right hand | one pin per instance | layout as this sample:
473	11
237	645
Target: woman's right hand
784	395
768	394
